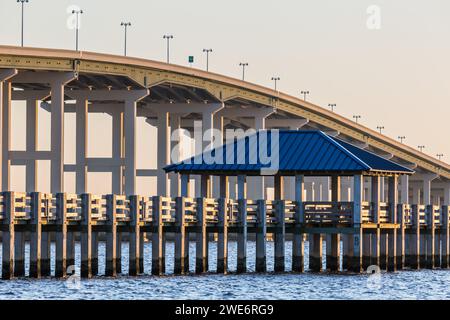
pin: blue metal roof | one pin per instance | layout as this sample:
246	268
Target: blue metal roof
307	152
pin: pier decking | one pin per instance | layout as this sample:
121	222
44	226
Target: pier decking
418	239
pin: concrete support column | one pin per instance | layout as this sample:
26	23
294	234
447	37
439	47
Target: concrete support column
163	187
356	260
57	138
175	153
334	239
117	150
81	110
447	194
393	202
415	194
5	105
404	191
218	126
31	143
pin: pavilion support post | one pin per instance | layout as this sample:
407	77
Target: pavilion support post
19	254
367	246
355	264
134	236
222	241
298	243
185	192
94	253
8	237
279	235
375	236
35	235
414	243
393	218
430	238
375	247
180	235
61	236
384	238
347	246
201	253
261	233
242	225
70	248
157	237
401	233
334	239
45	254
119	252
445	236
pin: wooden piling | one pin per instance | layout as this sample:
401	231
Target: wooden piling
242	237
355	261
201	251
261	233
157	237
19	254
8	236
347	246
35	235
392	250
70	248
298	238
315	252
280	235
383	249
445	237
222	241
45	254
141	251
94	252
134	237
375	247
367	246
61	236
333	252
86	235
413	257
180	236
119	252
401	236
111	237
430	236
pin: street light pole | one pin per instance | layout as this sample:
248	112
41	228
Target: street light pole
207	57
243	65
421	148
168	37
440	155
380	128
332	106
22	2
275	79
401	138
77	12
304	93
125	25
356	117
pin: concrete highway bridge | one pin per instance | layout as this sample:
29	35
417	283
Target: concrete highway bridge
388	218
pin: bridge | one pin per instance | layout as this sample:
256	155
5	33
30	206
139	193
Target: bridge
171	97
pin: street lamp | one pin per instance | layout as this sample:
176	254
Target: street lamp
439	155
207	51
125	25
380	128
243	65
421	148
275	79
77	12
332	106
356	117
401	138
304	93
22	2
168	37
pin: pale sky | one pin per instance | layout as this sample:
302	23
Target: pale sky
397	76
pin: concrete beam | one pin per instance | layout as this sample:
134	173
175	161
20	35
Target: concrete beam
44	77
108	95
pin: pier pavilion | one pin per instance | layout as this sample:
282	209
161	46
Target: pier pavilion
365	223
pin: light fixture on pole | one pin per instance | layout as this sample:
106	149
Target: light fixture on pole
304	93
440	155
207	51
275	80
421	148
125	25
77	27
380	128
168	37
401	138
356	117
332	106
243	65
22	2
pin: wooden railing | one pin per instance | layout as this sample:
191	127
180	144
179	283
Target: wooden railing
22	207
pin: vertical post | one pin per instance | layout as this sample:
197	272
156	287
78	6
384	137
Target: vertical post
201	258
431	236
185	192
130	146
35	235
334	239
118	150
61	235
261	233
134	237
8	237
45	253
6	135
242	225
393	202
111	237
180	236
119	252
185	185
86	235
356	260
82	144
163	153
298	244
157	237
57	137
414	249
19	254
70	247
445	236
376	236
222	241
280	233
31	142
315	252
